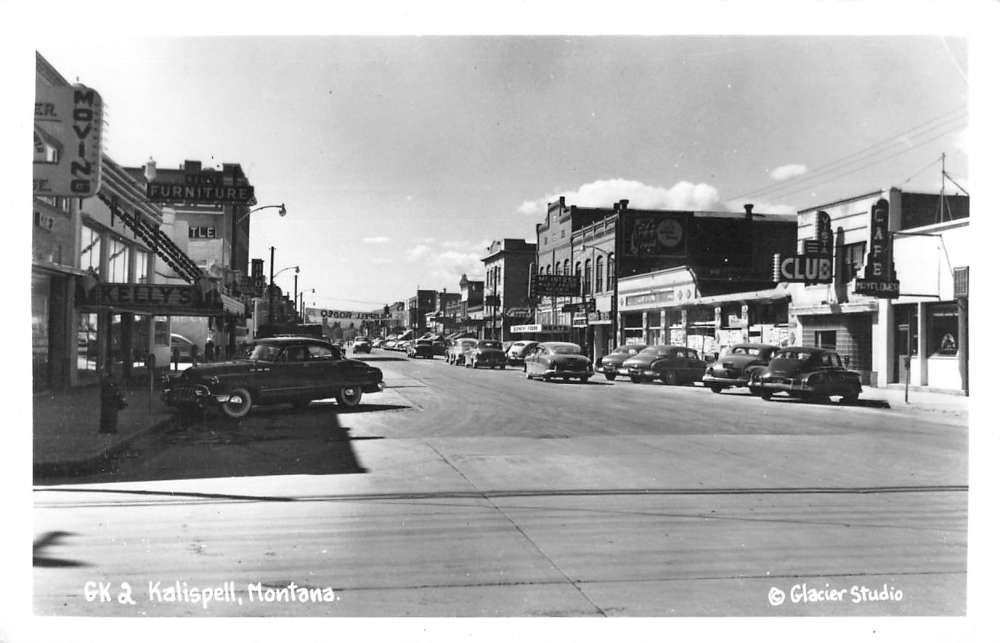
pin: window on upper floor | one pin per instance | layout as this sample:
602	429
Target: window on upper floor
851	259
599	276
90	248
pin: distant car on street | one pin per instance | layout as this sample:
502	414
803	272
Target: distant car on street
421	348
286	369
811	374
361	345
563	360
669	364
486	352
734	368
515	352
458	349
611	364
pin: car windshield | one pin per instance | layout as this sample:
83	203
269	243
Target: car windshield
265	352
745	350
489	345
799	356
656	351
629	349
565	349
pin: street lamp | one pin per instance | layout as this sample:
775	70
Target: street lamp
281	211
614	293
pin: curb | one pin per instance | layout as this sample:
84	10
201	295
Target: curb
92	464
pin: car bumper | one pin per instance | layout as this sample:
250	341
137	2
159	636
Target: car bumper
373	388
641	373
779	386
725	381
561	372
197	395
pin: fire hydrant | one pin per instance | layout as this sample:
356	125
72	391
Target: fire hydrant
112	401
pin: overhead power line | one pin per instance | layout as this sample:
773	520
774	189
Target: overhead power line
880	147
813	180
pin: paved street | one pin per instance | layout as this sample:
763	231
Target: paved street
480	493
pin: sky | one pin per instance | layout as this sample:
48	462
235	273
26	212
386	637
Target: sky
400	158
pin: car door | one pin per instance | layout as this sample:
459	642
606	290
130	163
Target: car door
289	377
320	372
695	366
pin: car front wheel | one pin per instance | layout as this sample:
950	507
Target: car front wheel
238	404
715	388
349	396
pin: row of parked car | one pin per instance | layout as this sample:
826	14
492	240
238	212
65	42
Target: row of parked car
813	374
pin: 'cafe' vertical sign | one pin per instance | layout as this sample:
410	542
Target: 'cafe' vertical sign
880	271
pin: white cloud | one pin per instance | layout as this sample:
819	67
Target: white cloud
418	251
454	244
381	260
375	239
786	172
683	195
449	266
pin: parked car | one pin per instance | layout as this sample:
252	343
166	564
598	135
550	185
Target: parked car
611	364
286	369
404	346
515	352
459	347
361	345
812	374
421	348
734	368
549	360
486	352
669	364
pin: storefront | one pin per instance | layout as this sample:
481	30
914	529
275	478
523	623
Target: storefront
667	307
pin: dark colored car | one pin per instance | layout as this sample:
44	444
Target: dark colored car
486	352
421	348
734	368
286	369
361	345
515	352
812	374
669	364
458	349
611	364
550	360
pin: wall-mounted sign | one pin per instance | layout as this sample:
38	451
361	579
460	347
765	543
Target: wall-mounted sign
45	221
880	271
67	148
201	232
554	286
960	276
815	265
526	328
517	313
205	186
654	235
159	299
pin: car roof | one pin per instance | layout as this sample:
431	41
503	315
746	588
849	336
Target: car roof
807	349
282	341
550	344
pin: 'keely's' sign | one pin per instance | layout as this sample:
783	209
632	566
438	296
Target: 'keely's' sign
880	272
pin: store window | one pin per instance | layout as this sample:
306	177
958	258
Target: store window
90	248
86	343
142	267
118	255
942	330
825	339
40	291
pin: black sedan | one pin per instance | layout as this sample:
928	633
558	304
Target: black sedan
486	352
812	374
286	369
563	360
735	367
611	364
669	364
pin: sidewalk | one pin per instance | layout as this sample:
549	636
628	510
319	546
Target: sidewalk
65	429
920	398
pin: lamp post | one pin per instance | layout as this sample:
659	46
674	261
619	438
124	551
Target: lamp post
281	211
